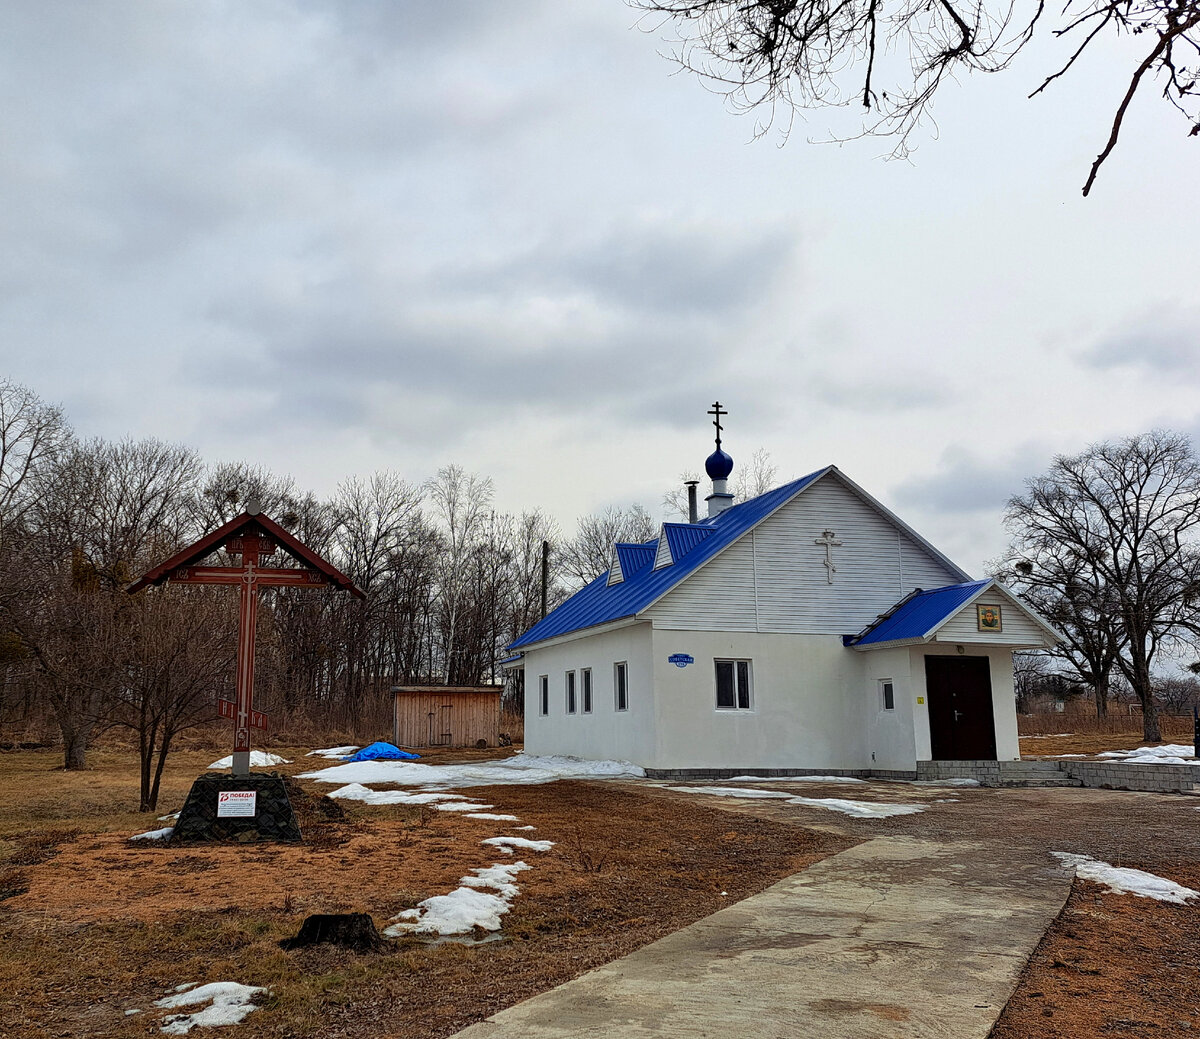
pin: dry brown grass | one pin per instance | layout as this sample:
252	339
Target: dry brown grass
1081	719
106	925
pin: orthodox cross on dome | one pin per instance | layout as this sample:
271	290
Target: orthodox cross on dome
829	540
717	412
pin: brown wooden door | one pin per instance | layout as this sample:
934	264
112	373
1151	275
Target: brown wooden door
961	726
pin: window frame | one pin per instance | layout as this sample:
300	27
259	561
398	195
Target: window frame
585	690
570	692
543	695
887	685
742	691
621	685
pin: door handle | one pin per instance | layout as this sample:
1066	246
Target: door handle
958	716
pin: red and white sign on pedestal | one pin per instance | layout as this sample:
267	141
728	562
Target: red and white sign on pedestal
236	803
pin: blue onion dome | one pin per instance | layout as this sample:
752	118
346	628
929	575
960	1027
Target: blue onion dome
718	465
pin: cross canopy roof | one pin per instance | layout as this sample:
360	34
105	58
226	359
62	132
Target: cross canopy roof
240	526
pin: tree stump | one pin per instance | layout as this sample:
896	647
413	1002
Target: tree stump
350	930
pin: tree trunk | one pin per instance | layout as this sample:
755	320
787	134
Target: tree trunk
158	770
74	748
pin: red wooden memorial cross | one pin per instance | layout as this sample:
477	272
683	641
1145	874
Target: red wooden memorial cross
250	537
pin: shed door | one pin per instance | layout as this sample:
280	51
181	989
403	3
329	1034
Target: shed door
961	726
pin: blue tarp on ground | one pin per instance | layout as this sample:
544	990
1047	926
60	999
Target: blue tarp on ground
382	752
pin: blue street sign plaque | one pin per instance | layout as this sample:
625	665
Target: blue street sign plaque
681	659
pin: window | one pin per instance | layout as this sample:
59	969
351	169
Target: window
543	694
570	692
887	695
733	685
621	685
585	684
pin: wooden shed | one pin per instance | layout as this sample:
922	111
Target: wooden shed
446	716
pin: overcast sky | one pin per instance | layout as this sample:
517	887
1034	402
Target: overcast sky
334	236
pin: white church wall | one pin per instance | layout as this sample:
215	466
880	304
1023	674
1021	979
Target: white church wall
891	734
1004	700
805	709
775	578
606	732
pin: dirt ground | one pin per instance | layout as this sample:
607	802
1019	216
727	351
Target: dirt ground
94	925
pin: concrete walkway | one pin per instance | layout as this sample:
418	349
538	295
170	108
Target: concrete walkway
898	936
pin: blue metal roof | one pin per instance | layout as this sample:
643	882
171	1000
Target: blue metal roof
599	602
683	537
635	558
918	615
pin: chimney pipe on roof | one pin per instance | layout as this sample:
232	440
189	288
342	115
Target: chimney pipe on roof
693	512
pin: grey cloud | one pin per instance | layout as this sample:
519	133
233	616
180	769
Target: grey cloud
649	267
883	393
1165	340
610	340
969	482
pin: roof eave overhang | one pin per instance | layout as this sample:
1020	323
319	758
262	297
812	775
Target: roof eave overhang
866	647
581	633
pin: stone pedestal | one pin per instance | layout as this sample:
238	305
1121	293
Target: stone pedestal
209	816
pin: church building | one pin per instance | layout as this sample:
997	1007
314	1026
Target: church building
807	629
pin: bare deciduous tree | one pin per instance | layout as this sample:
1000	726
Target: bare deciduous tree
892	58
1123	520
31	433
1069	593
587	555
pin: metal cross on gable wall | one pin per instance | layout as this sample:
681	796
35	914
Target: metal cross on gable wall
829	540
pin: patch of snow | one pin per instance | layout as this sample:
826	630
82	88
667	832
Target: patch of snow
518	769
358	792
154	835
257	758
331	752
1168	754
728	791
858	809
1048	736
944	800
498	876
1068	755
459	912
1127	881
229	1003
534	827
185	986
463	806
506	844
132	1011
466	907
795	779
169	818
494	817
